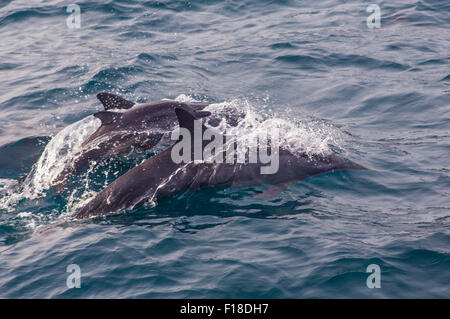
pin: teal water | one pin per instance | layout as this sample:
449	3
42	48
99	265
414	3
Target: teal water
380	97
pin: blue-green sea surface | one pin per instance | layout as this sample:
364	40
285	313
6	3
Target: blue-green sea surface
377	96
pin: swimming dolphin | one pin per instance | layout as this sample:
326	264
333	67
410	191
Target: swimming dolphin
160	176
140	127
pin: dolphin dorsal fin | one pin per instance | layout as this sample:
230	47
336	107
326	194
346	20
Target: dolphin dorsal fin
187	118
202	113
107	117
111	101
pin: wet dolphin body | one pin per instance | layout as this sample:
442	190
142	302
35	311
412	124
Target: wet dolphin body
159	176
140	127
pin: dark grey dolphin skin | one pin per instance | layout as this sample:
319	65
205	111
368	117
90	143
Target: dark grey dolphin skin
140	127
159	176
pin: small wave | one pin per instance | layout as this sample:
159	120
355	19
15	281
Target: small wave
340	60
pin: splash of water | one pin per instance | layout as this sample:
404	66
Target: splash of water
57	154
298	135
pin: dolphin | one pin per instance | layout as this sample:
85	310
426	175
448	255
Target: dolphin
160	176
140	127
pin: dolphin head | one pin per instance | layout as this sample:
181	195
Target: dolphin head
322	164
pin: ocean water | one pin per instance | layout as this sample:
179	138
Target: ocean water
377	96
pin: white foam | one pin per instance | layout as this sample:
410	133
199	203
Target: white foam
297	134
58	153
